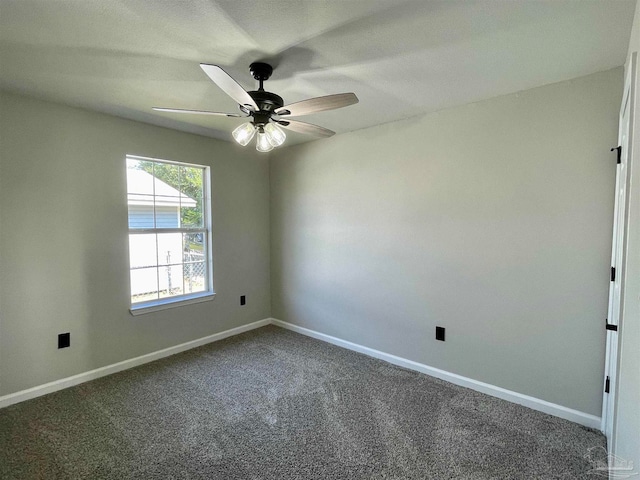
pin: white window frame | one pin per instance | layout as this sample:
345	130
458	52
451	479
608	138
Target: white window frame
190	298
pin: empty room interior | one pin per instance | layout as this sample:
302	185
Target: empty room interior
278	239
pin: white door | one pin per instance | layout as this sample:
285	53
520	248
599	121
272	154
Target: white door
617	253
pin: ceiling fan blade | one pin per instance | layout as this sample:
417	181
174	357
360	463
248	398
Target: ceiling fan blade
196	112
318	104
303	127
229	85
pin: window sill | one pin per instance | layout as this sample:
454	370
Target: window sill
164	304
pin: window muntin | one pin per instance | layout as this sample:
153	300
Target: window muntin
169	231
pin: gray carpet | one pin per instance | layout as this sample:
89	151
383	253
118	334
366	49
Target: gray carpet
272	404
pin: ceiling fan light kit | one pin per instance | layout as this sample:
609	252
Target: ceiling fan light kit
275	134
262	143
244	133
267	109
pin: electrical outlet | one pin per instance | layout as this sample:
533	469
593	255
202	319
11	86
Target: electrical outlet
440	333
243	300
64	340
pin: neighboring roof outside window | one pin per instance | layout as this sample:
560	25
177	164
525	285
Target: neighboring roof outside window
142	183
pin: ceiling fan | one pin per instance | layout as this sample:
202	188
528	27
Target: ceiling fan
267	109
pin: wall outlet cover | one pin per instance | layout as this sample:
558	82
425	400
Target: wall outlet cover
64	340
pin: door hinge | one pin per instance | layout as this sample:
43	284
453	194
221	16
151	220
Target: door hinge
613	274
606	385
610	326
619	149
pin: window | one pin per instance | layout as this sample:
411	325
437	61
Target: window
169	233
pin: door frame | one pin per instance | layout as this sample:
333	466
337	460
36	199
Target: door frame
618	249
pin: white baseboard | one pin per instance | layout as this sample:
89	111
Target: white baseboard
515	397
54	386
576	416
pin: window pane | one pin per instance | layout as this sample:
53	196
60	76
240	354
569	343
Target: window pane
139	180
170	280
140	216
195	278
195	247
191	214
167	216
169	248
167	179
144	284
142	250
191	182
195	271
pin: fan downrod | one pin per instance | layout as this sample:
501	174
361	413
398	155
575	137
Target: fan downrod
267	102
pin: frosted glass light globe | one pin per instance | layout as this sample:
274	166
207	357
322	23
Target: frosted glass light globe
244	133
263	144
275	134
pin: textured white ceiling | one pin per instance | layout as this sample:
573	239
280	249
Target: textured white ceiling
401	57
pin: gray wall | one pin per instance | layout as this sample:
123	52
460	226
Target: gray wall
492	219
63	240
